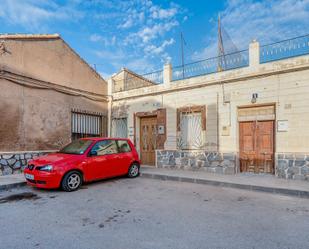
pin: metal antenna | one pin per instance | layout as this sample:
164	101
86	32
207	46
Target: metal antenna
220	45
182	56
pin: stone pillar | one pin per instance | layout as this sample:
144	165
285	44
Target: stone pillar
167	74
110	84
254	54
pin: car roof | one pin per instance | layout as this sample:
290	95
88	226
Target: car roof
104	138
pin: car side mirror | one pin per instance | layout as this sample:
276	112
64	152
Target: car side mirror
93	153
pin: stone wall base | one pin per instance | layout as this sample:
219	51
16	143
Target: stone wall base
14	163
287	165
292	166
210	161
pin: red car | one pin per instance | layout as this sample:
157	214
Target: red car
84	160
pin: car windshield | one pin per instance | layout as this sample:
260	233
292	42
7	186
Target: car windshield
76	147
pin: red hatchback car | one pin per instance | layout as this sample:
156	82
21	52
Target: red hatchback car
84	160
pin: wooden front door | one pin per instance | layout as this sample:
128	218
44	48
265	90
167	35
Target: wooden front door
148	136
256	146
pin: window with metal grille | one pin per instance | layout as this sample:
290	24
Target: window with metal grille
191	127
191	135
119	127
87	125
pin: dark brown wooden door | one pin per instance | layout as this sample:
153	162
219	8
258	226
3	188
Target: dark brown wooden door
148	136
257	146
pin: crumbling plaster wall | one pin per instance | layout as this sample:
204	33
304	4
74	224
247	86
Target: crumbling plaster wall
36	119
40	119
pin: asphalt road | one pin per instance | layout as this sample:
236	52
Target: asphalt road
146	213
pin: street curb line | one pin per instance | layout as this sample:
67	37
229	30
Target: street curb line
12	185
281	191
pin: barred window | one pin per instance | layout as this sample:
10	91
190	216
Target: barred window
87	125
191	124
119	127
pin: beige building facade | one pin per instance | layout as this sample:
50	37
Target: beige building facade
242	112
250	118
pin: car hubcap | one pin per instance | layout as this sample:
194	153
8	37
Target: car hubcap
134	170
73	181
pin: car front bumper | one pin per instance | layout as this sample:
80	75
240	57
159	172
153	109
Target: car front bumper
42	179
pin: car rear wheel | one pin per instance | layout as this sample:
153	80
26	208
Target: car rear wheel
133	170
71	181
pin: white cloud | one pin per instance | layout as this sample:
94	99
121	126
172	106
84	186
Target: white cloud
145	31
267	21
117	55
152	49
159	13
127	24
148	34
136	33
133	18
140	65
105	41
95	38
34	14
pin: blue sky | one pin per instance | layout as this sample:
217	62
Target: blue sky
142	35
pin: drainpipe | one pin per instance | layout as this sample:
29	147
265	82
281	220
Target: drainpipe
218	125
110	83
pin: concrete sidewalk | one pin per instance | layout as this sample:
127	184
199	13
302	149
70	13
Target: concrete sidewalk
253	182
263	183
12	181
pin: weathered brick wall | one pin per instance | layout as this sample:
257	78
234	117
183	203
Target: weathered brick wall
210	161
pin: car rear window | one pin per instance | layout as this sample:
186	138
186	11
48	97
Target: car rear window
123	146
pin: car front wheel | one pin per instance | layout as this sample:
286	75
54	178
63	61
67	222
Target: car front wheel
71	181
133	170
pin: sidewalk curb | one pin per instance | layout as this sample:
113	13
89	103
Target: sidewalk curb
12	185
272	190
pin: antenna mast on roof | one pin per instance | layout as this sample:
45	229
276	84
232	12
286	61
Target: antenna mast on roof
182	41
220	46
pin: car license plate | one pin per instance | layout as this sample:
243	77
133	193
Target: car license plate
29	176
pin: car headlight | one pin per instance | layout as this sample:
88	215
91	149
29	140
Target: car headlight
45	168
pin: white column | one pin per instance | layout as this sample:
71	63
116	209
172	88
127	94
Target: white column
254	54
167	74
